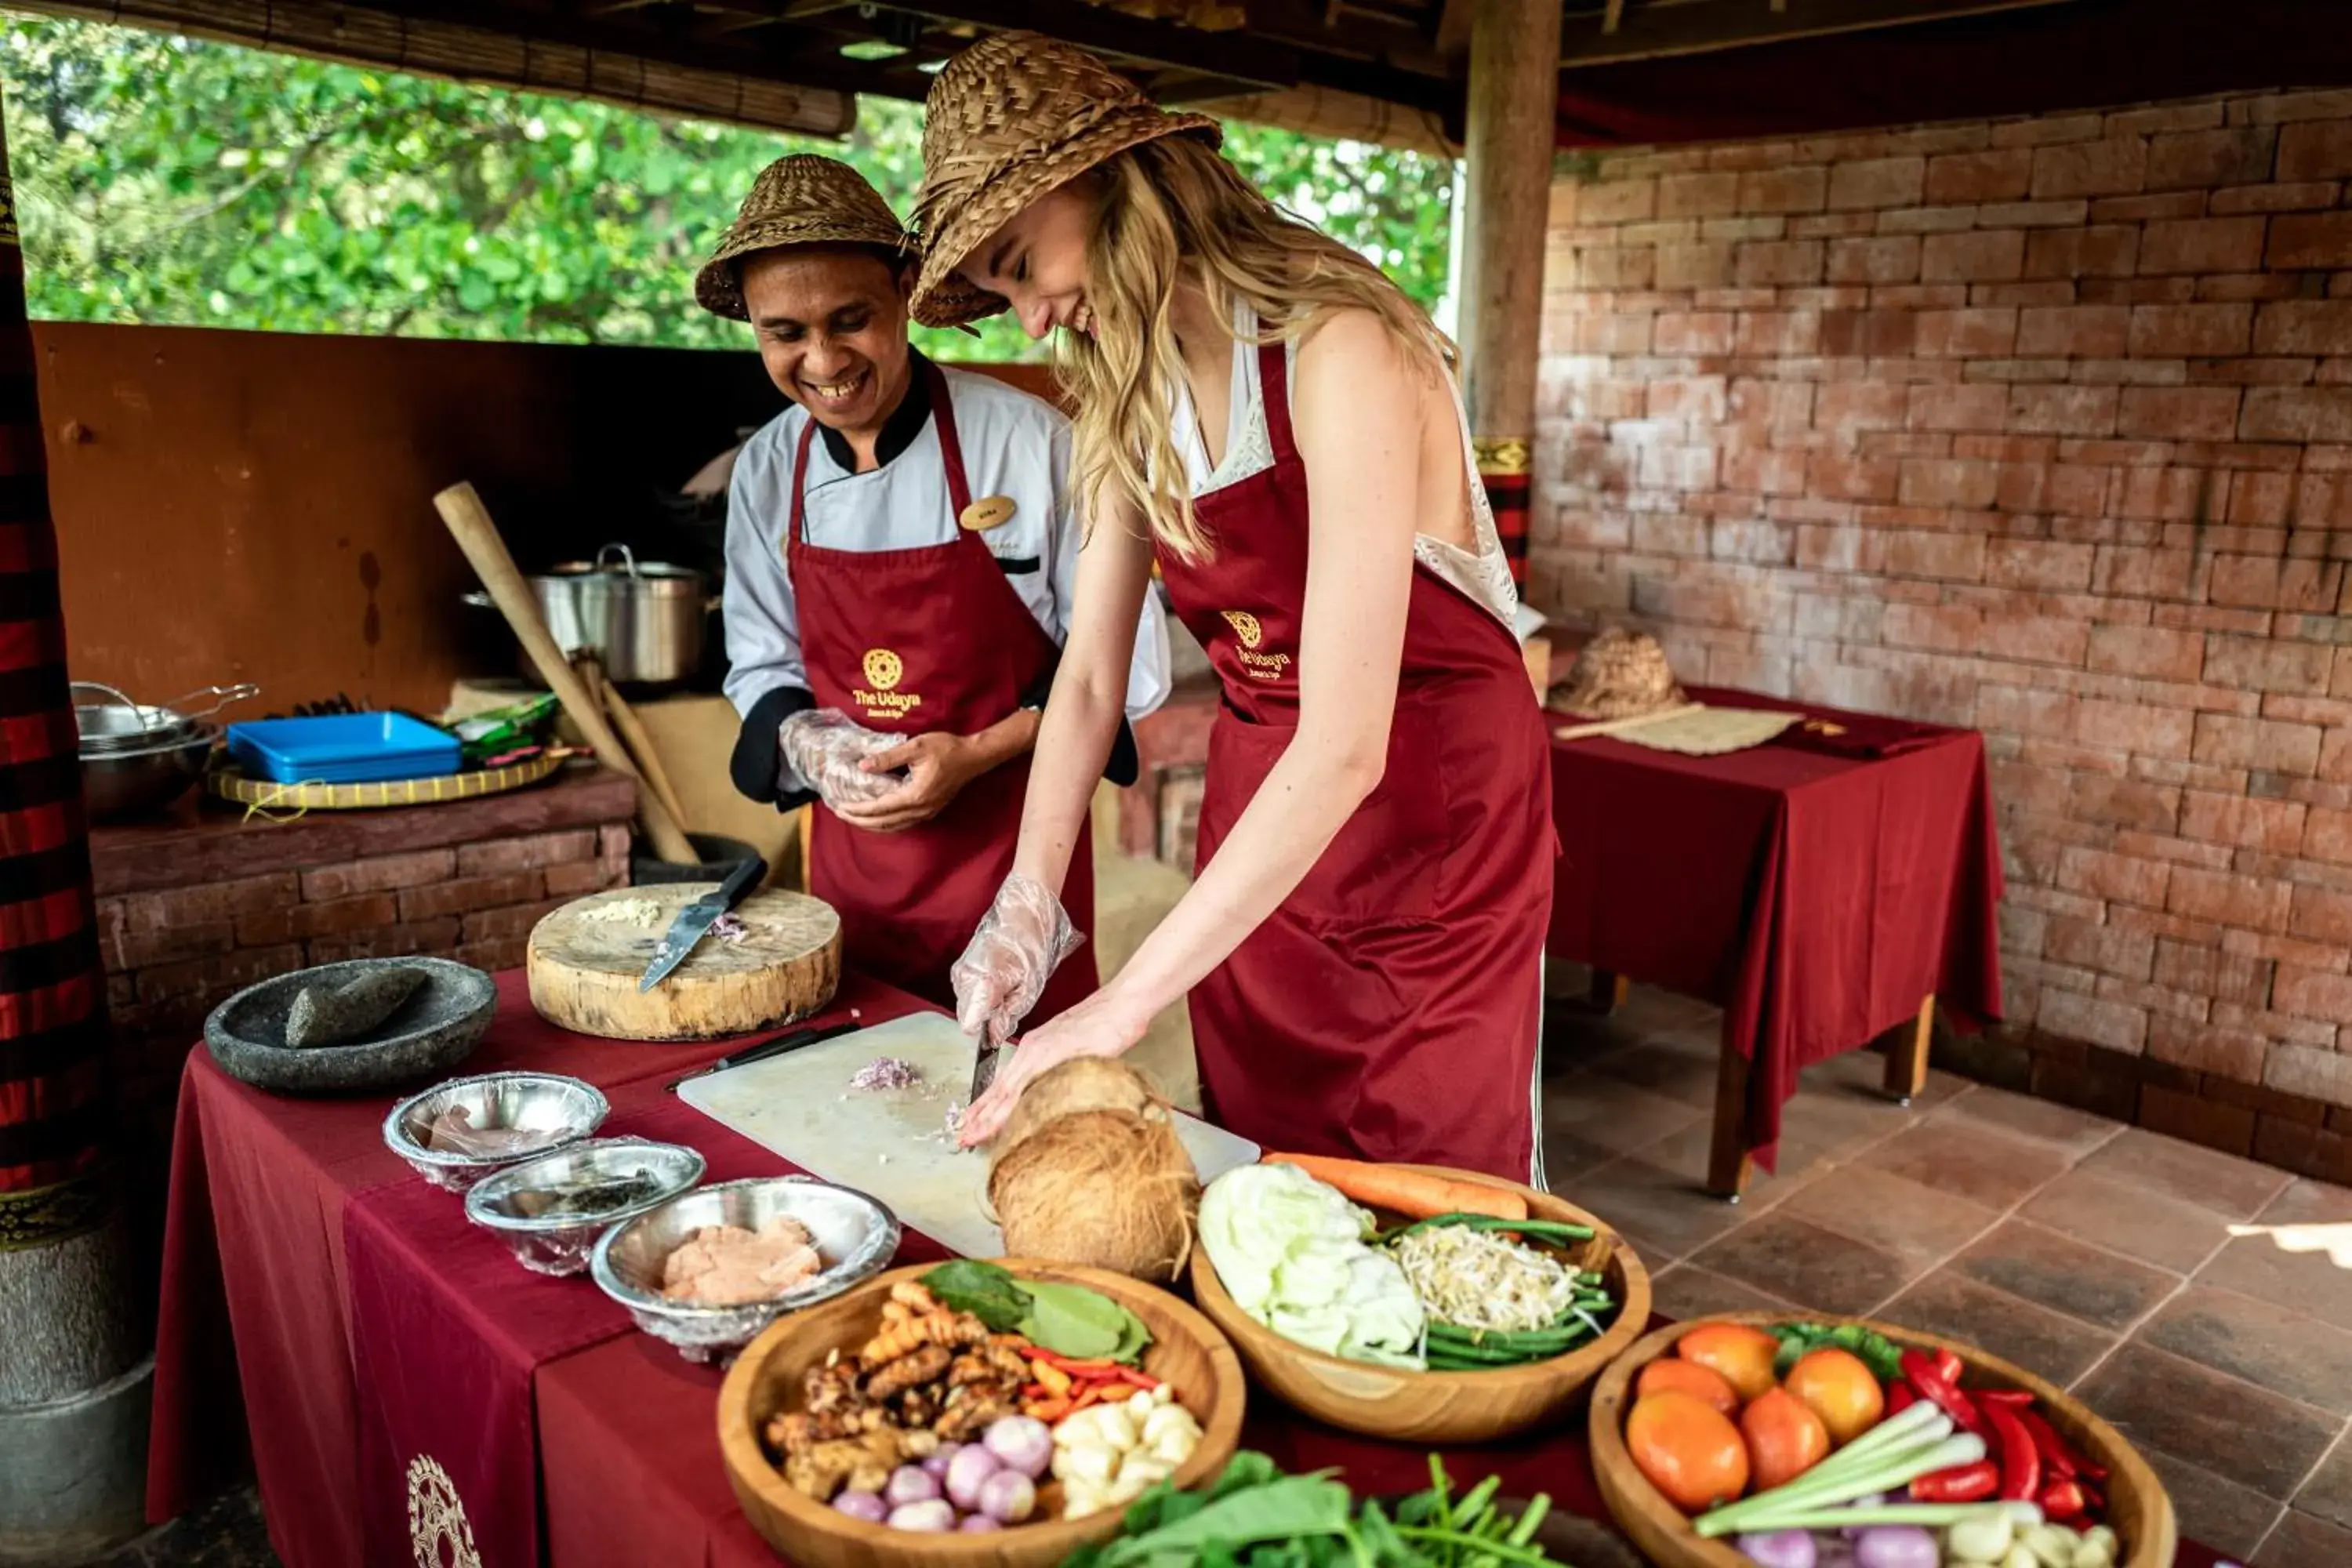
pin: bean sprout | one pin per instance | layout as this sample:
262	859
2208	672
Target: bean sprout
1476	1279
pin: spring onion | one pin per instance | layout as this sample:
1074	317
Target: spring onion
1927	1515
1890	1456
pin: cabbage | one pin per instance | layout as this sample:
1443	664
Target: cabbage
1291	1252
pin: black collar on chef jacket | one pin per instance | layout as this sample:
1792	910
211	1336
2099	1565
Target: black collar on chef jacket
899	431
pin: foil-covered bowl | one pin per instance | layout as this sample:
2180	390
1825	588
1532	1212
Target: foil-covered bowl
855	1235
562	1109
560	1243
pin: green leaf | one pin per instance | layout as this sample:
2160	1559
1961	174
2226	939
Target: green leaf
1283	1509
986	1291
1072	1320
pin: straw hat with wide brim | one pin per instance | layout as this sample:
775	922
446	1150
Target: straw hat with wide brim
1007	120
1620	674
801	200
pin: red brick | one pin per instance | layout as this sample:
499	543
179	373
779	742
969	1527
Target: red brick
2264	664
1779	263
2297	414
2263	745
215	974
2316	150
578	877
1797	190
463	894
434	937
2202	245
1869	334
2266	582
2111	252
2303	327
1852	479
2200	1048
2148	209
2089	169
1893	258
2180	851
2176	1114
1967	334
2138	728
2321	915
536	851
2075	1016
2105	949
2178	413
2328	835
2065	490
508	922
1978	256
2213	972
2287	108
2109	800
2229	898
2040	564
2247	822
2200	160
1693	267
381	874
2310	239
208	902
2149	651
1876	182
1951	557
507	952
1769	333
1963	177
2076	331
2166	119
131	950
2304	197
1753	539
1958	407
2085	411
1757	471
1930	483
1774	404
1843	409
2311	994
2162	331
1693	333
1616	201
1699	195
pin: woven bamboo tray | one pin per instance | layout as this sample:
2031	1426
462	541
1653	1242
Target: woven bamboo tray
266	794
2137	1508
1407	1406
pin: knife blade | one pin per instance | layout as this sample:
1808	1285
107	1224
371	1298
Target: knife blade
695	921
775	1045
983	1066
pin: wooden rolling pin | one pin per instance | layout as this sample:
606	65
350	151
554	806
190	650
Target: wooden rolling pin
469	523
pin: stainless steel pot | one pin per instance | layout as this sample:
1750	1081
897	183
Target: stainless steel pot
645	621
141	782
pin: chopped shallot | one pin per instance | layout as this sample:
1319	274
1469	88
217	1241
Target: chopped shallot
886	1072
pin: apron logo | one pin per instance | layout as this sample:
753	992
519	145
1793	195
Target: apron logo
436	1516
988	511
1256	665
880	697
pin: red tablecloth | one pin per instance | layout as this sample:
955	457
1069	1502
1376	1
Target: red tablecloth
1818	898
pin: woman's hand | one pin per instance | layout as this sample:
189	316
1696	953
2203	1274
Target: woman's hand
1104	1025
937	766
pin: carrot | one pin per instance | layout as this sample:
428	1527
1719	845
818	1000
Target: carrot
1415	1194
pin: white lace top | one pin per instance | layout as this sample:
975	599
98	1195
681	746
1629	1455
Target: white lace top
1483	576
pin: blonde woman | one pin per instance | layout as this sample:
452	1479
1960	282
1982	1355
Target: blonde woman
1265	414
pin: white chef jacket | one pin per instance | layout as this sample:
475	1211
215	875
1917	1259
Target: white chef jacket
1014	444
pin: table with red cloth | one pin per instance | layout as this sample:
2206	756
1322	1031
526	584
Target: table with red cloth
1824	888
619	1451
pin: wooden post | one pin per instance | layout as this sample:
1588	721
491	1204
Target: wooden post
1906	1054
1512	131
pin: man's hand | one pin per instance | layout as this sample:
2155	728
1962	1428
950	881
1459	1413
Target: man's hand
936	765
827	748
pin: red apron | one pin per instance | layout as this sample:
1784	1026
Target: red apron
912	641
1390	1008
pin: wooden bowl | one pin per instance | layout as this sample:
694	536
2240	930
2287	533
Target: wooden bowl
2137	1508
1186	1352
1406	1406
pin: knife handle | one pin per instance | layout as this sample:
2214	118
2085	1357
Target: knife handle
740	880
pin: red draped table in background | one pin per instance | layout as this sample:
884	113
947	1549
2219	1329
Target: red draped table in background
1823	889
329	1309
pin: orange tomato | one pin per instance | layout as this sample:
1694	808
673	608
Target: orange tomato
1741	1355
1688	1377
1688	1448
1835	1385
1785	1439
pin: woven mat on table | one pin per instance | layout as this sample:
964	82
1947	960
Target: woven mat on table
1701	731
266	794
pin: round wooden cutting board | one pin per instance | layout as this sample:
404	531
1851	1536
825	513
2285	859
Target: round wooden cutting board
584	968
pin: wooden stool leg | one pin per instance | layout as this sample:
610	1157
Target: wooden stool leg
1728	1164
1607	991
1907	1056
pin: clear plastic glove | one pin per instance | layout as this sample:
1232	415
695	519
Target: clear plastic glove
825	746
1021	940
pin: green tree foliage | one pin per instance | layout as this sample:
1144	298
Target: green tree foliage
166	180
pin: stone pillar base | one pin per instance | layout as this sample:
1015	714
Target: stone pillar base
73	1473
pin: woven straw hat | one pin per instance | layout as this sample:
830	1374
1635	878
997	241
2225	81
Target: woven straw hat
801	200
1010	118
1621	674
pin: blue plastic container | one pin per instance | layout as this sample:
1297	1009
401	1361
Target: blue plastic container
343	748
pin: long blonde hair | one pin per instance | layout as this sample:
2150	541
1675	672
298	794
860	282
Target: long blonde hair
1161	207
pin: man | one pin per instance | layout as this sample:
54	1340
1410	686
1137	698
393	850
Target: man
901	546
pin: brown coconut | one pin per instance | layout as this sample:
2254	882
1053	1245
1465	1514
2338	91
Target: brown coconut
1082	1083
1110	1189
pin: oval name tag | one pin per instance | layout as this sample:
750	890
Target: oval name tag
988	511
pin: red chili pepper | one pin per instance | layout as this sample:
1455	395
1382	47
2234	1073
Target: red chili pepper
1142	1380
1924	1377
2015	1398
1901	1397
1097	1367
2020	1466
2057	1460
2062	1501
1947	1365
1962	1483
2094	1501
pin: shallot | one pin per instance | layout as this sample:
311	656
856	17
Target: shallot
867	1506
1008	1496
934	1516
1022	1443
966	1474
974	1524
1896	1546
910	1484
1780	1549
936	1463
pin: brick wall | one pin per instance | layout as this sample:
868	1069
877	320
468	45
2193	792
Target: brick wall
2042	427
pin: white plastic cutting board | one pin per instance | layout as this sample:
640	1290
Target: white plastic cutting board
893	1144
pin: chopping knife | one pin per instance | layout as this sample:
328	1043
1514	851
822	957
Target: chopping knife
776	1047
983	1064
695	921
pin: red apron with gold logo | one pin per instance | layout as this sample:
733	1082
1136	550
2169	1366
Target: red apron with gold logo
912	641
1390	1008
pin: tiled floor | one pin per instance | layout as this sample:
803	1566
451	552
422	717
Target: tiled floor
2201	1303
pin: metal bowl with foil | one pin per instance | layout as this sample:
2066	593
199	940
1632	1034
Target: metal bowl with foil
557	1112
551	1210
855	1235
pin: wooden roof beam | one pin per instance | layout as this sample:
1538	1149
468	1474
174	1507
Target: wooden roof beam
1619	32
1163	43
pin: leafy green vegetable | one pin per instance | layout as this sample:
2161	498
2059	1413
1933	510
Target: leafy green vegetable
1881	1354
1072	1320
1291	1253
983	1290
